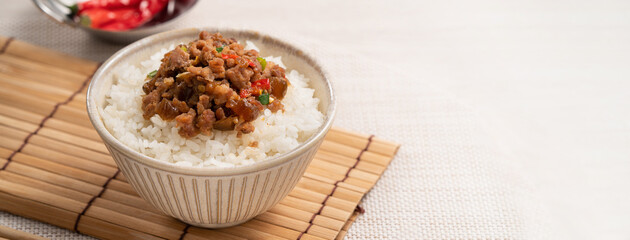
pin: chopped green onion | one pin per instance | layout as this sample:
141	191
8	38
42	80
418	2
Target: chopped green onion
219	49
262	62
184	48
264	98
152	74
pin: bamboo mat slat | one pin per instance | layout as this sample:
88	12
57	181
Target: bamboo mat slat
8	233
54	167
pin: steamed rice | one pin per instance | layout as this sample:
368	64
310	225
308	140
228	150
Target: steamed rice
276	133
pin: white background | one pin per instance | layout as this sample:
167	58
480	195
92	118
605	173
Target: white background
548	81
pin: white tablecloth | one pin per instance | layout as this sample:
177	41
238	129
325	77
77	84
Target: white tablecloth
514	117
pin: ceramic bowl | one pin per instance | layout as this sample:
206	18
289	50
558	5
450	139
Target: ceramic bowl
214	196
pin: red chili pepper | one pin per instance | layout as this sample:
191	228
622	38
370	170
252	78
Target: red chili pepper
118	19
226	56
245	92
152	8
117	15
262	84
107	4
251	64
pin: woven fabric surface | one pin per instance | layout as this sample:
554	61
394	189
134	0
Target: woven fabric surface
448	181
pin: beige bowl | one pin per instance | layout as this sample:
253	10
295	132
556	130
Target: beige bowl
220	196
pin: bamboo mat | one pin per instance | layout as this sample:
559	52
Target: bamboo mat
54	167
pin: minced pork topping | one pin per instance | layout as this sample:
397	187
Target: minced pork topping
213	83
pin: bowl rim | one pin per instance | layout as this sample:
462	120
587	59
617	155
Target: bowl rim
129	50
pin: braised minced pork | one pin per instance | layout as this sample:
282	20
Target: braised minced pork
213	83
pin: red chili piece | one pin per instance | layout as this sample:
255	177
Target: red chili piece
245	92
226	56
262	84
251	64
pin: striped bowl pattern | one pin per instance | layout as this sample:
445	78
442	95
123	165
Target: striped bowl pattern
212	201
212	197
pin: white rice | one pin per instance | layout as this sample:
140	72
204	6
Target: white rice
276	133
